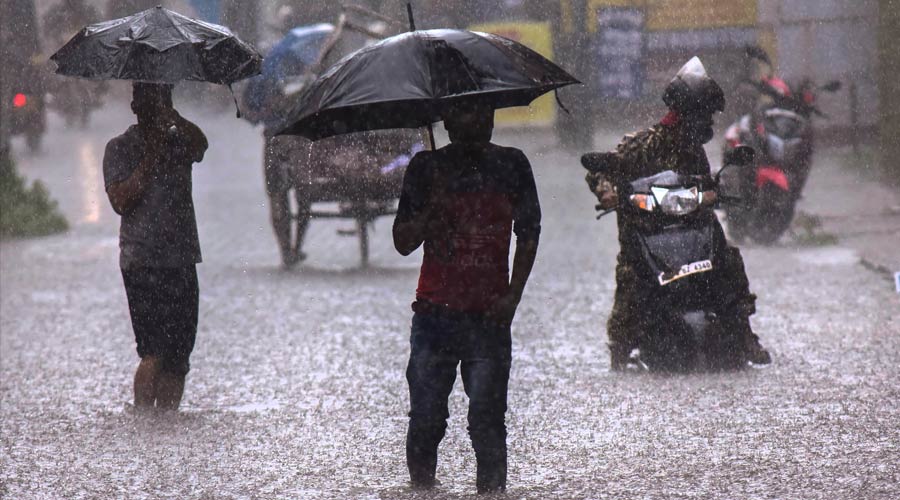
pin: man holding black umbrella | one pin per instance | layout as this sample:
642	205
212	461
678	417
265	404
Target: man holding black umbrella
147	172
463	202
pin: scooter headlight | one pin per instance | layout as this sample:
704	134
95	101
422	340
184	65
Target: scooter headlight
677	201
643	201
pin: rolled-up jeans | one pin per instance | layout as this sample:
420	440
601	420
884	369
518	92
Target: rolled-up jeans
441	340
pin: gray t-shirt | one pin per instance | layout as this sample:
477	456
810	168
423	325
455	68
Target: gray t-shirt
161	230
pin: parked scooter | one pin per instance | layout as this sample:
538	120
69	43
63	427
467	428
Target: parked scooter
23	106
22	110
780	130
686	323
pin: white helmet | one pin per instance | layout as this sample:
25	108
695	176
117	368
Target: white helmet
693	90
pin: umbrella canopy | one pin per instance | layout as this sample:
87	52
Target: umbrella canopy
406	81
157	45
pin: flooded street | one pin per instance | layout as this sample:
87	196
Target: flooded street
297	387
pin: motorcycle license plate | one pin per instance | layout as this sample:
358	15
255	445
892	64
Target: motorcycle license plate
685	271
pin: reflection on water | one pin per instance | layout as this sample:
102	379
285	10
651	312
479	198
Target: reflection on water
89	176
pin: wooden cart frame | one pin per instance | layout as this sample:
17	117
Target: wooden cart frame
360	202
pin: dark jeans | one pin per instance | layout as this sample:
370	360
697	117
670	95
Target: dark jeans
439	342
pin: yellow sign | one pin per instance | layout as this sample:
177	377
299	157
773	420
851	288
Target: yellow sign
681	15
537	37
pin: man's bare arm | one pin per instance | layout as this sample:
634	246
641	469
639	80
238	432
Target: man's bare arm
415	220
410	234
504	309
527	228
523	262
125	195
195	139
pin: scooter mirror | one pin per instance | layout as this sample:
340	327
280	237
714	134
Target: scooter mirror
599	162
730	183
832	86
740	156
756	52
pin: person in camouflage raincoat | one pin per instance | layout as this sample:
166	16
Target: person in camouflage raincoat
675	143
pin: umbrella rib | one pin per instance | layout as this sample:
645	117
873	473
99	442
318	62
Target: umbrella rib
94	29
178	27
509	52
538	90
428	48
469	74
124	64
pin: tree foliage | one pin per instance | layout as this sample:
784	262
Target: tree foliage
25	211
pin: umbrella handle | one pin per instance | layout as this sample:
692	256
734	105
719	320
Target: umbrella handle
412	27
238	108
431	136
559	102
409	13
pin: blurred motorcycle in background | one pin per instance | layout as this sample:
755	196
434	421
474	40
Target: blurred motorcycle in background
780	130
22	110
24	107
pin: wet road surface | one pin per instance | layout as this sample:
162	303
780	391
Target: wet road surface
297	387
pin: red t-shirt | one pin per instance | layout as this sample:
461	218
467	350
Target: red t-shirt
481	195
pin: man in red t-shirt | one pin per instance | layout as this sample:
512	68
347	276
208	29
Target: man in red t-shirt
463	202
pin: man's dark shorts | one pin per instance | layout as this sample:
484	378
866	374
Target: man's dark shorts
164	305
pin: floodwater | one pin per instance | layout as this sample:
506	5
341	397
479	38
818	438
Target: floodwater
297	387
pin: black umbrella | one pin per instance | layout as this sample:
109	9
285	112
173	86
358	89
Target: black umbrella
406	81
157	45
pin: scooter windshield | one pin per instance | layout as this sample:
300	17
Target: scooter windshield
666	179
783	123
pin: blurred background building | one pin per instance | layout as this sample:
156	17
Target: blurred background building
625	50
889	87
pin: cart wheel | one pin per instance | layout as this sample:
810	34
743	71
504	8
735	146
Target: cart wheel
362	226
